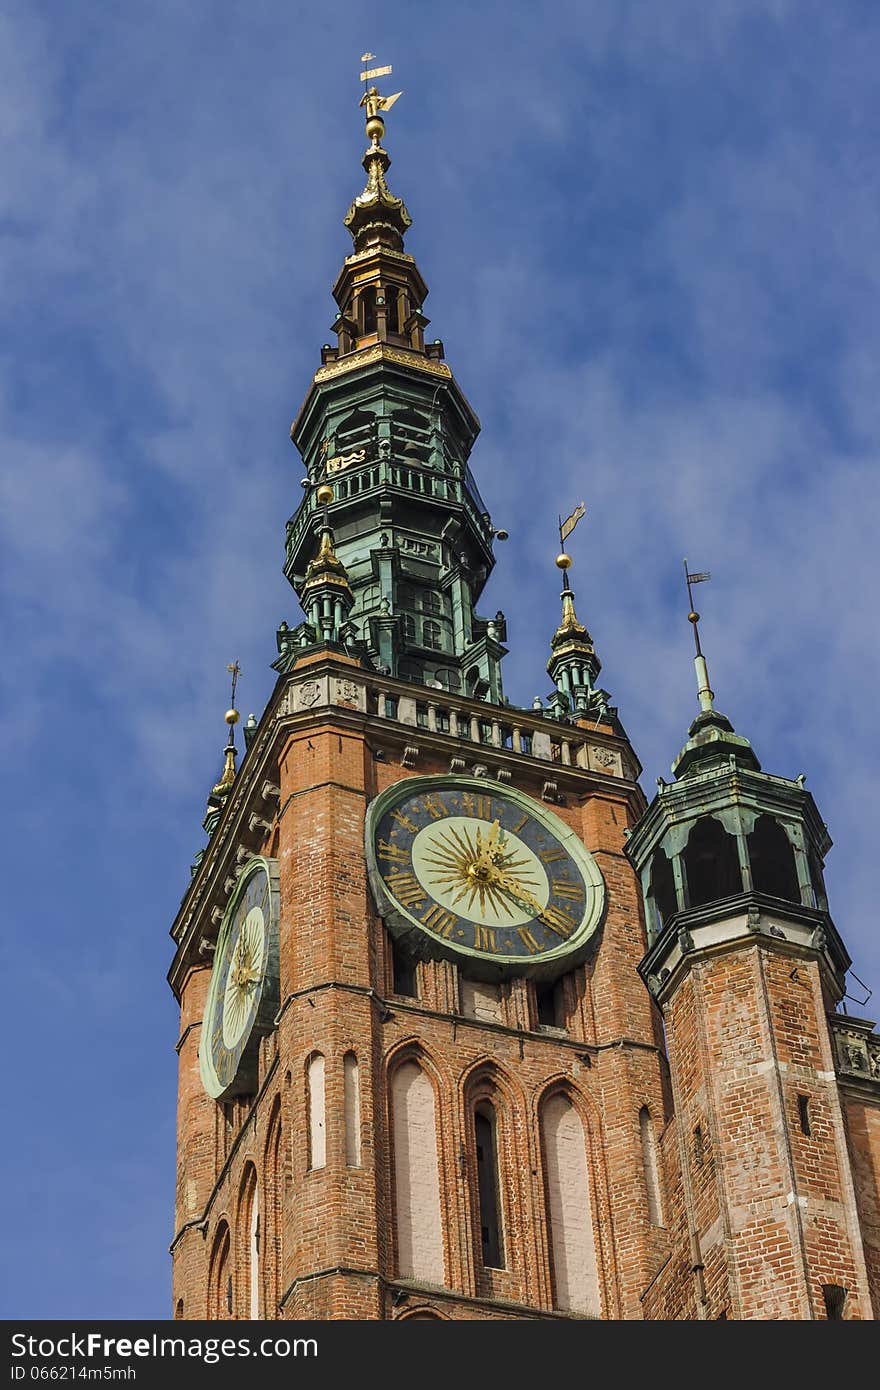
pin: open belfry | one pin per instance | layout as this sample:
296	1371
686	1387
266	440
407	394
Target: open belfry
468	1029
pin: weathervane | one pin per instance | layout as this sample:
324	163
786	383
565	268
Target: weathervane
373	100
704	691
566	527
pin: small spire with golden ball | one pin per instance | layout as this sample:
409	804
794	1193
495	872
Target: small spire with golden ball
232	716
570	623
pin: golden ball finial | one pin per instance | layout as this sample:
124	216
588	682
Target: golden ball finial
693	617
232	716
324	494
563	561
375	129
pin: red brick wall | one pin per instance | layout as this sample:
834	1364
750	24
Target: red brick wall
338	1239
773	1207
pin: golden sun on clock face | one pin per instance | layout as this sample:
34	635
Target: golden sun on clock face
484	874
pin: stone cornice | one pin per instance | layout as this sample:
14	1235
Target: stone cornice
739	922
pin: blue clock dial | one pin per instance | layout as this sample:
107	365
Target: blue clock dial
482	874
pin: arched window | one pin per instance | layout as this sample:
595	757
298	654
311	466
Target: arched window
368	309
409	627
431	635
352	1109
354	430
273	1227
253	1251
220	1276
416	1176
371	596
317	1116
488	1194
772	860
569	1208
711	863
662	889
178	1311
651	1166
817	881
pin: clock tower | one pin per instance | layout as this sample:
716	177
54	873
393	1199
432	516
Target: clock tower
420	1074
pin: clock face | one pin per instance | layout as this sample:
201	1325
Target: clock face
243	994
483	874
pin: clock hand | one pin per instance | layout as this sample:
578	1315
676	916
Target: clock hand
518	893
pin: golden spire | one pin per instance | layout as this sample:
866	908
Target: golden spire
326	567
570	627
376	214
227	777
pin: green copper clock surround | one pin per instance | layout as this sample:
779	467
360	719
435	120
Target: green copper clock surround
479	873
242	997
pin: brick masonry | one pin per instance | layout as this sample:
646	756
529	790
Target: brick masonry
758	1216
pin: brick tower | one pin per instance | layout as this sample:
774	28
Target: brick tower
420	1072
773	1186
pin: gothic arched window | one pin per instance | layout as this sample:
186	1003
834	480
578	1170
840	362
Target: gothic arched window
711	863
418	1222
488	1194
220	1276
273	1188
351	1104
317	1116
569	1208
651	1165
250	1223
772	860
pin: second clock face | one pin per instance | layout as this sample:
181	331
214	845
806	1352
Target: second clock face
483	873
242	997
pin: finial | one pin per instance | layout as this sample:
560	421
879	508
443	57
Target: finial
376	215
563	562
232	716
705	694
373	101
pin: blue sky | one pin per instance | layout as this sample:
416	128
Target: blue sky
650	232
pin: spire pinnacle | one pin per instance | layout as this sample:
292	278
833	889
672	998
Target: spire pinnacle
705	694
573	664
232	716
326	567
375	214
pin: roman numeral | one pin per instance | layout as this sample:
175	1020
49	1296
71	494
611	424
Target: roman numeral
563	888
393	852
520	823
405	822
477	805
550	855
434	808
439	920
557	920
407	889
528	940
484	939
